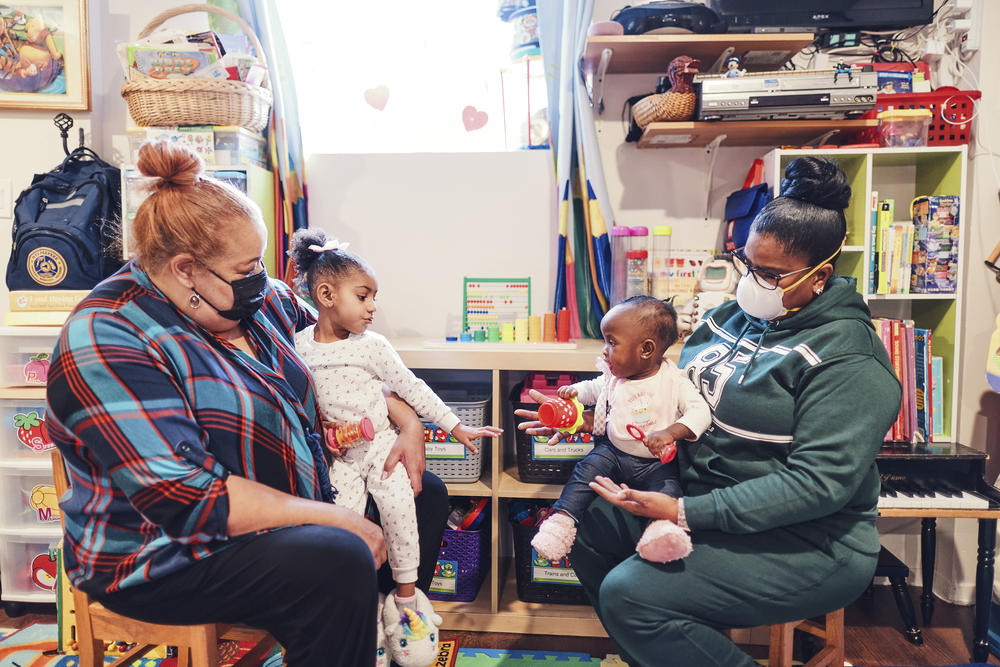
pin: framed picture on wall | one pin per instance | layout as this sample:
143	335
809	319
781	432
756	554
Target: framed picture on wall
44	60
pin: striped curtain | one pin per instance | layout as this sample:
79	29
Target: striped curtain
285	136
583	262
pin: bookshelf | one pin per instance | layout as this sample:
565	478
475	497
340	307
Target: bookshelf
902	174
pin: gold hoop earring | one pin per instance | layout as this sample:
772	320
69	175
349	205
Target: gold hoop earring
194	301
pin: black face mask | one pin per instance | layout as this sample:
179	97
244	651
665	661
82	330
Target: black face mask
248	295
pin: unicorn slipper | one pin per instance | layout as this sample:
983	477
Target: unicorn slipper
411	634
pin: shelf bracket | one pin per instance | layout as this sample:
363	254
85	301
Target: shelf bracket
821	139
602	70
712	149
717	65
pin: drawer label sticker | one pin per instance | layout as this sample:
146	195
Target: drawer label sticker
31	432
43	571
445	577
36	371
545	571
573	448
439	444
44	500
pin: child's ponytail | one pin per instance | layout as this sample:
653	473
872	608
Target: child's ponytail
314	254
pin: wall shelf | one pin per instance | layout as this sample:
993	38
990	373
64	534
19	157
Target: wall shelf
637	54
686	134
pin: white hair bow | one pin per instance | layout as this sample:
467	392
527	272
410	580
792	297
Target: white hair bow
331	244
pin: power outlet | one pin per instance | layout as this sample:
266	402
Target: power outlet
972	40
6	199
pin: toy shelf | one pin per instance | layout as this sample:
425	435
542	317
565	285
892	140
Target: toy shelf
686	134
637	54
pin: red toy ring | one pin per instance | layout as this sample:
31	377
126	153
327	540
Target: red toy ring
668	453
635	432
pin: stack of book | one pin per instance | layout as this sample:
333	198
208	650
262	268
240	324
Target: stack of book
911	351
891	250
42	307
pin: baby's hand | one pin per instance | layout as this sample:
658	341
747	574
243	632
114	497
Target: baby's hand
657	441
566	391
466	435
336	451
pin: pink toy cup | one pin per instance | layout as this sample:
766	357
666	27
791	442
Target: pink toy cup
342	436
558	413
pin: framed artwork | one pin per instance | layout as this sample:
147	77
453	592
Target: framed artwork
44	60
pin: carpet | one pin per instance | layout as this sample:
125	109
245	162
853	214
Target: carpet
35	646
484	657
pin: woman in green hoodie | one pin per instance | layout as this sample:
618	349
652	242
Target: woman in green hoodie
780	493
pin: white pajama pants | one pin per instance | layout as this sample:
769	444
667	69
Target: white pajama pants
359	472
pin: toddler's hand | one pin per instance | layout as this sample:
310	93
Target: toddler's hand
566	391
658	440
466	435
336	451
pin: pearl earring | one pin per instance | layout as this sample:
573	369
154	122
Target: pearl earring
819	290
194	301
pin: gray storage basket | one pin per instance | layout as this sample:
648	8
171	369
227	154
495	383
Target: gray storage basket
472	410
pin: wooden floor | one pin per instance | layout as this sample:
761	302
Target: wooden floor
873	637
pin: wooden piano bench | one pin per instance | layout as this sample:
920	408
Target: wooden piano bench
890	566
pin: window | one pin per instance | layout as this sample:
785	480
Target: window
393	76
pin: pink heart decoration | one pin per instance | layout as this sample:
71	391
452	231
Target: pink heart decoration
473	119
377	97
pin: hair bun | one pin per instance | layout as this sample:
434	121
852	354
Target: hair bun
173	165
817	181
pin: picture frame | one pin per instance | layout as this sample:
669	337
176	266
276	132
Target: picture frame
44	55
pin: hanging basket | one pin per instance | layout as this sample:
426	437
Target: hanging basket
194	101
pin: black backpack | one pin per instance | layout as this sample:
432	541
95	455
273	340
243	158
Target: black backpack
67	226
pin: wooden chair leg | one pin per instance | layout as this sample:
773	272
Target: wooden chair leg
204	646
780	652
183	656
835	636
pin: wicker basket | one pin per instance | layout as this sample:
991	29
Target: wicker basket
193	101
664	107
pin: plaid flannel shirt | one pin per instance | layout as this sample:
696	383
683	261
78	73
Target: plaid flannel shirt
151	413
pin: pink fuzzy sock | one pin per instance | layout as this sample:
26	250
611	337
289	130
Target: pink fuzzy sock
555	536
664	541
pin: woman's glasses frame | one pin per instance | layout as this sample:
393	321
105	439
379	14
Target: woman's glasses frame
766	279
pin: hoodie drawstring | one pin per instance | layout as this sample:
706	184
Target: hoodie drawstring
731	352
760	343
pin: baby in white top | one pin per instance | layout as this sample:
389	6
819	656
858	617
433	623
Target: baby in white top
350	366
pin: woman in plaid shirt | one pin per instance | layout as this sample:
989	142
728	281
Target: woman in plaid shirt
189	427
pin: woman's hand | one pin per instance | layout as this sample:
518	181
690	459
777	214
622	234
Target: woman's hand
371	533
535	427
409	446
651	504
466	435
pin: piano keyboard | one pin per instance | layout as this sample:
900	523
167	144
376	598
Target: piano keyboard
902	493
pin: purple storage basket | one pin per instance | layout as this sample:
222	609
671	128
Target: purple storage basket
469	550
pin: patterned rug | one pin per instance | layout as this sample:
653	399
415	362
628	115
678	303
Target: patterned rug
483	657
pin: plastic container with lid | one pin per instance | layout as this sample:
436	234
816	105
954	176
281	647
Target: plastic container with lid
637	280
659	266
620	240
903	127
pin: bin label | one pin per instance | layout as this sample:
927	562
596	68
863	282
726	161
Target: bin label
574	448
545	571
445	577
439	444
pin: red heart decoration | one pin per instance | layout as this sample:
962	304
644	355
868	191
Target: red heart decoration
377	97
473	119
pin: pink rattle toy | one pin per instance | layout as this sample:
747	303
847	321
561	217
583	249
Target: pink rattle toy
563	414
668	453
344	436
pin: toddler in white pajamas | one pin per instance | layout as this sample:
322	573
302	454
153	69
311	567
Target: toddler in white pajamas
350	366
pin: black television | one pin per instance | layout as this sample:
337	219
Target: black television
812	15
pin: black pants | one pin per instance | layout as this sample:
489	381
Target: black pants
312	587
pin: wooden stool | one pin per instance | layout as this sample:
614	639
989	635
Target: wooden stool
831	633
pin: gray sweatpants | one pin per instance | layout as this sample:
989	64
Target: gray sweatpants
663	614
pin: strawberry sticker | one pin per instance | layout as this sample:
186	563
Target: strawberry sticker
31	431
36	371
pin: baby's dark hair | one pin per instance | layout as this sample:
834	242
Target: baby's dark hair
655	318
309	263
808	216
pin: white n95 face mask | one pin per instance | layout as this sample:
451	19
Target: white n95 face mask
768	304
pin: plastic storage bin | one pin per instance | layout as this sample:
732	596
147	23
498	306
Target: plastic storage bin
537	461
22	431
952	111
903	127
539	580
28	567
25	353
28	498
447	457
462	565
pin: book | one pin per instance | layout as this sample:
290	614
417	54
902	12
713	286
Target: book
937	396
896	341
36	300
884	330
921	375
909	335
884	224
873	243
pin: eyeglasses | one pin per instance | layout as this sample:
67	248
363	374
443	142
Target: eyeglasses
766	279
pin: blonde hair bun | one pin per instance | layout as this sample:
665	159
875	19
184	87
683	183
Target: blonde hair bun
171	164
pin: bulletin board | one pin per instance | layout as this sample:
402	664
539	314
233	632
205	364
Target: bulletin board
493	301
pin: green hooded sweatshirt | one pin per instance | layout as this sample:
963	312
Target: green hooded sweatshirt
800	407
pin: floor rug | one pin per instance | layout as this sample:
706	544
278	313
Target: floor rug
35	646
484	657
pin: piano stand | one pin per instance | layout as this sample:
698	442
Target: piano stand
897	572
928	544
